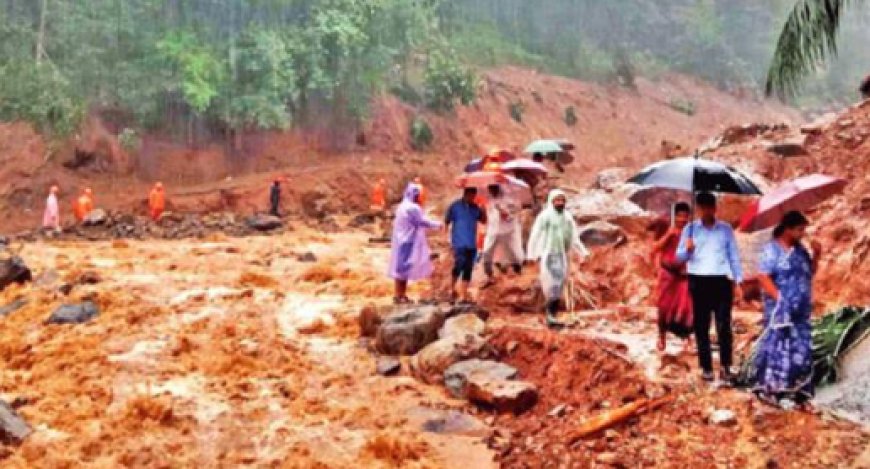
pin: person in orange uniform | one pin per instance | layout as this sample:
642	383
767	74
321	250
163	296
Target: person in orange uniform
379	196
156	201
424	194
84	204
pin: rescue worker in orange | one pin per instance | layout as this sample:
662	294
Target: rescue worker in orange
424	194
379	196
84	204
156	201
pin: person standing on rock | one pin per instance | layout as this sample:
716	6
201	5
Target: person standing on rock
51	217
461	221
783	367
503	232
275	198
84	204
709	248
554	235
156	201
674	301
409	254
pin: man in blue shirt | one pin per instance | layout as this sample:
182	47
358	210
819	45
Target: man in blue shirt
461	221
709	248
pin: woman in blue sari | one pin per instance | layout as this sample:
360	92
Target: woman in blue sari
784	363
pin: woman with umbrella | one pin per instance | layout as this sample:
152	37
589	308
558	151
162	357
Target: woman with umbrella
784	363
409	255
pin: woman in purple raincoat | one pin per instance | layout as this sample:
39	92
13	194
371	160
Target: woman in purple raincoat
409	256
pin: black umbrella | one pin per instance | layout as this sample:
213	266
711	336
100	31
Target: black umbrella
695	175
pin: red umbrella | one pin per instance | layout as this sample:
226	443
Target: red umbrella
799	194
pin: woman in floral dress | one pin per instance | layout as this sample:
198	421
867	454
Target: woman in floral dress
784	362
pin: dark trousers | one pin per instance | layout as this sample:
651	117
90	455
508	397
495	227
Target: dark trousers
712	297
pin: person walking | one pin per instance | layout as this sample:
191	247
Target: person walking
503	232
554	236
783	367
51	216
409	253
674	302
709	248
156	201
275	198
461	222
379	196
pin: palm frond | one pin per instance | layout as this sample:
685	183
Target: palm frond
808	39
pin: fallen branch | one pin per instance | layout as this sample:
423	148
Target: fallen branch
614	417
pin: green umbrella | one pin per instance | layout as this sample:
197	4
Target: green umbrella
544	147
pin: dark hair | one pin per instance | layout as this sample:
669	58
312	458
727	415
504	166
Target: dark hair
682	207
470	191
790	220
705	199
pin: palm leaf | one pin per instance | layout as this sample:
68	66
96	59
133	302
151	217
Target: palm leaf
807	40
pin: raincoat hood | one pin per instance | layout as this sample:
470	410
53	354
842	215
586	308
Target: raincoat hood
411	193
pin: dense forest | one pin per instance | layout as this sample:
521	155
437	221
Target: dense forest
225	66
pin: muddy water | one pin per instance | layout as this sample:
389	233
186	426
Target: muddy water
226	353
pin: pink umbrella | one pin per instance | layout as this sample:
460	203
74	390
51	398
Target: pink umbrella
484	179
799	194
524	165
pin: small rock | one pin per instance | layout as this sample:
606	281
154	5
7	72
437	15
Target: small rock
456	376
502	395
370	319
74	314
558	411
722	417
13	306
456	423
462	325
307	257
14	270
361	220
407	331
793	146
607	458
13	429
264	222
511	346
388	366
846	123
96	217
609	179
601	233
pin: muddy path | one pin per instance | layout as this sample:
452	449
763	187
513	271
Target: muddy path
226	353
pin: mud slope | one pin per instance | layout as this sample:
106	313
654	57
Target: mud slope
615	126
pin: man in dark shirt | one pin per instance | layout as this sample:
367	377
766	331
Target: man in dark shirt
461	221
275	198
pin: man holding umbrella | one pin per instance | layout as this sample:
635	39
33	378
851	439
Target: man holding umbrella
709	248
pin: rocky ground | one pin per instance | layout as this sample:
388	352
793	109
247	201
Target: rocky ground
246	352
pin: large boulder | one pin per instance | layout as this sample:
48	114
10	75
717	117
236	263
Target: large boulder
456	376
13	270
462	325
501	394
13	429
263	222
96	217
74	314
407	331
601	233
429	364
792	146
